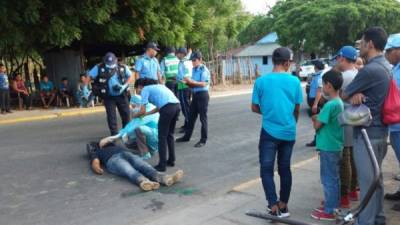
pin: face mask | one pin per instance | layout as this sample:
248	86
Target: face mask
111	66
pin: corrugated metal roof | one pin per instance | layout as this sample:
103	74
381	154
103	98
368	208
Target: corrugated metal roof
258	50
269	38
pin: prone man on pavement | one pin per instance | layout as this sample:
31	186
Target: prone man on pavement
119	161
110	82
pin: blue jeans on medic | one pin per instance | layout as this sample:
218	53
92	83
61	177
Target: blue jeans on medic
126	164
269	148
330	179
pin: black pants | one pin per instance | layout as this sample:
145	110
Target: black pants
166	128
171	85
5	100
199	106
111	103
27	99
184	98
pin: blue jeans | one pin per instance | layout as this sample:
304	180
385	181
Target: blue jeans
126	164
395	142
330	179
269	148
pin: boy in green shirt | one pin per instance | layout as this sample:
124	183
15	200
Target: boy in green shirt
330	144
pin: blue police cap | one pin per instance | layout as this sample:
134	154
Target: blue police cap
196	55
110	59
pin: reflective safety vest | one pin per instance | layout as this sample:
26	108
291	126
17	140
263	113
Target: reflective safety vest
171	63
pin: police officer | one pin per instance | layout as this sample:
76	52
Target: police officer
200	83
183	91
110	81
169	69
147	66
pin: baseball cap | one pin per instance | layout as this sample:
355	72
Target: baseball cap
153	46
282	54
196	55
110	59
182	50
348	52
393	41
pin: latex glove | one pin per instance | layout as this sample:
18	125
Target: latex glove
123	88
106	140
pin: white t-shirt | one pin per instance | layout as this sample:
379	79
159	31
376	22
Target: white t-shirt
348	77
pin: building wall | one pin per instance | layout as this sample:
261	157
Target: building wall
247	66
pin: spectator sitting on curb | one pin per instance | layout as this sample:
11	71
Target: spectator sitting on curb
84	94
19	88
65	92
119	161
47	92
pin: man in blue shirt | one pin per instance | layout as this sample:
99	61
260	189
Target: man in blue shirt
199	83
111	81
392	49
147	66
47	92
4	91
277	97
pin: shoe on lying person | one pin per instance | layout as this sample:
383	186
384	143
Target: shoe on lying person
169	180
147	185
394	197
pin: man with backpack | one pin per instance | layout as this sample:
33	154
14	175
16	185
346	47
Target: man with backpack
370	87
110	81
393	56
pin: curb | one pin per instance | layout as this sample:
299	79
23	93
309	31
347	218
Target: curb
52	116
56	115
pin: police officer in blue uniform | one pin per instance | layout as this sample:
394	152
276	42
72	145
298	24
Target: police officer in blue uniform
147	66
110	81
199	83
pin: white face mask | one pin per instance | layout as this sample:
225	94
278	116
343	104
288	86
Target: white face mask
111	67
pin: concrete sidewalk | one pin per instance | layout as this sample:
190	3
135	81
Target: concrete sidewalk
43	114
230	208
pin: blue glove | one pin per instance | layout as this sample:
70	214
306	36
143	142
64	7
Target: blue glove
123	88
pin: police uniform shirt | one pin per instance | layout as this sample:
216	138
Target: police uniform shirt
159	95
147	67
114	80
201	74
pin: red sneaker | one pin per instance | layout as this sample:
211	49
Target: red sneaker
323	216
319	209
345	202
353	196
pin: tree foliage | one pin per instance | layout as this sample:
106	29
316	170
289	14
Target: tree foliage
259	26
315	25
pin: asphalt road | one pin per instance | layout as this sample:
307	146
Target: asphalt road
45	176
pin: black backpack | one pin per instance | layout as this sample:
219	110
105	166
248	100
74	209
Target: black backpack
104	74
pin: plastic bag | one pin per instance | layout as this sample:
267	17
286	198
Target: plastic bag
391	106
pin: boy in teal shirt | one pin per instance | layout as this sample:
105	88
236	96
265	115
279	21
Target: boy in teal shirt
330	144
